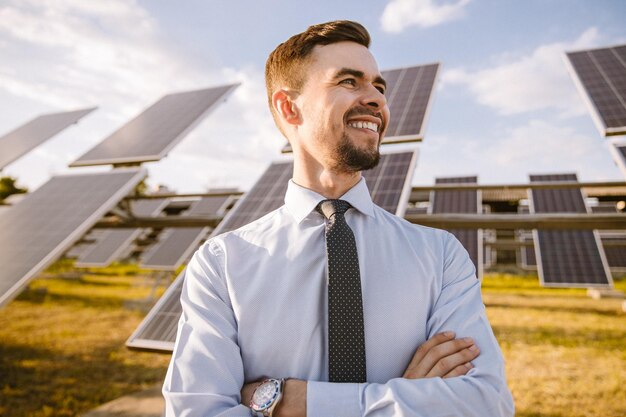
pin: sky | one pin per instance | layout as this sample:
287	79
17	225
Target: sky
504	107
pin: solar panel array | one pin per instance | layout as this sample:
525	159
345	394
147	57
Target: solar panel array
601	75
409	96
23	139
112	243
461	201
48	221
571	258
393	175
150	135
175	245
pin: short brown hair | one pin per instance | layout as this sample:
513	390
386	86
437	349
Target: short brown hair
284	66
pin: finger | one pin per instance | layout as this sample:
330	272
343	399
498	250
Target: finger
450	362
425	347
440	353
459	370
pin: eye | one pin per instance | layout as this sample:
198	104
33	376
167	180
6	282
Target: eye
349	81
381	89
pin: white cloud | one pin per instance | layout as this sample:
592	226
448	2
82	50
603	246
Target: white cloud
509	155
400	14
538	81
65	54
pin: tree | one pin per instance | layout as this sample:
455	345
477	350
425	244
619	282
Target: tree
8	187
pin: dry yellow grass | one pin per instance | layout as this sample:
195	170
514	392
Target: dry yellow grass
565	353
62	346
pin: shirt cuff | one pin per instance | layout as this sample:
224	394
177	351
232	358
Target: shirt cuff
325	399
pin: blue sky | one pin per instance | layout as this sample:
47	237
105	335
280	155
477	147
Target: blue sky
505	105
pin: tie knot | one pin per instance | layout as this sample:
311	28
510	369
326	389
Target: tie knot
330	207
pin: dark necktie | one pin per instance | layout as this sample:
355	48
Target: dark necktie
346	334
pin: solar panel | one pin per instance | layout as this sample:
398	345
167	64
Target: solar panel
158	329
23	139
566	258
416	210
461	201
615	255
151	135
604	207
409	96
175	245
393	175
112	243
48	221
409	93
600	74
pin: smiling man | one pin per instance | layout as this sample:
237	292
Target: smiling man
330	306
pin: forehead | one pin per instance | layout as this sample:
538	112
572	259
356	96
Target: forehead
327	60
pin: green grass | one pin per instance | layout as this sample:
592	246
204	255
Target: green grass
62	344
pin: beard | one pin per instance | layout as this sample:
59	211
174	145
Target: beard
350	158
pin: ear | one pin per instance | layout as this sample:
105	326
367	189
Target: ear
285	106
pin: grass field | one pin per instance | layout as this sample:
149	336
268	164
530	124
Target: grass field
62	345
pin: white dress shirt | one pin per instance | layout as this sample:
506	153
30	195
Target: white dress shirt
255	305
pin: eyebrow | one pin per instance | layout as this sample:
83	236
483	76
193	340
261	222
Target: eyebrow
359	74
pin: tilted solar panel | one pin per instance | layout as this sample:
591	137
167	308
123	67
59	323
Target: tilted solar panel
175	245
393	175
151	135
600	75
158	329
23	139
409	96
566	258
614	244
112	243
461	201
48	221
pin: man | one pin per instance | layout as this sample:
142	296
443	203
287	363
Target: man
266	300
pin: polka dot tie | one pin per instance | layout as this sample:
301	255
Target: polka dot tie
346	334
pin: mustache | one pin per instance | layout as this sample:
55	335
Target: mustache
364	111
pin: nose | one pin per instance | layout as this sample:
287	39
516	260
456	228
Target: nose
373	98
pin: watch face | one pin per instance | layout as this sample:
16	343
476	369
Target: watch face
264	395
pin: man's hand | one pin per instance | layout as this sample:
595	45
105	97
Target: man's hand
442	356
293	403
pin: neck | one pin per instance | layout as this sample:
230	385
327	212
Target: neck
311	174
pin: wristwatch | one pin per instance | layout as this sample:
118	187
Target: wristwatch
267	396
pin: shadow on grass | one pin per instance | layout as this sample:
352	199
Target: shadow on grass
531	414
559	309
40	296
591	338
81	382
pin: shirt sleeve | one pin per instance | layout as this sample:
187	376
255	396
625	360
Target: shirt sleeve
205	374
482	392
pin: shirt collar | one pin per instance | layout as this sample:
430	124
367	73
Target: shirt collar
301	201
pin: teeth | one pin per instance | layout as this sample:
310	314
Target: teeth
364	125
